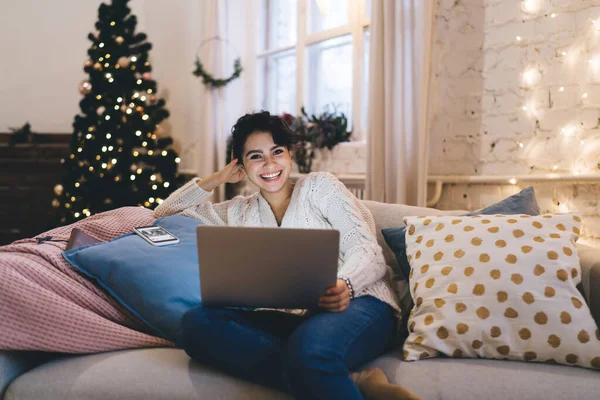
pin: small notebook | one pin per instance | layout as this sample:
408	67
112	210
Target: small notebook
80	238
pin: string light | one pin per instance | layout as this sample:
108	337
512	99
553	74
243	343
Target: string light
135	96
151	199
553	15
76	215
532	76
585	95
159	201
145	117
134	58
154	187
72	198
112	23
114	161
520	144
177	160
153	177
129	111
110	148
119	99
76	184
512	181
135	153
104	149
101	45
150	152
144	144
104	165
79	150
555	167
138	133
98	97
116	107
561	89
518	38
139	81
139	171
166	184
107	117
108	135
88	136
132	177
164	153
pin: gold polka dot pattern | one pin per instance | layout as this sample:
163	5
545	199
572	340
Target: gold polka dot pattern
499	287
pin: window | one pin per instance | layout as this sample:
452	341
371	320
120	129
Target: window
314	53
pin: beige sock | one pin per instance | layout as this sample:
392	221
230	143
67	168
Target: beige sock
375	386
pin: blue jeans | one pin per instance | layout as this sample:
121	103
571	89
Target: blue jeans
308	357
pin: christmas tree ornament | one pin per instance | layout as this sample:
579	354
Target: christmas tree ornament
100	110
119	40
58	189
98	67
88	63
147	75
55	203
123	62
85	87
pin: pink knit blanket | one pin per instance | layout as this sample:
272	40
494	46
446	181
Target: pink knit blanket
47	305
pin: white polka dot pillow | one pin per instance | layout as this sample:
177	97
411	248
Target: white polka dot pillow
499	287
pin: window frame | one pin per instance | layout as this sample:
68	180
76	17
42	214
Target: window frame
358	22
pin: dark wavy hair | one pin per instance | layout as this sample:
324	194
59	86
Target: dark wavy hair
261	121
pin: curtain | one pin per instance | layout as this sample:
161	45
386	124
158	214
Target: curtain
399	76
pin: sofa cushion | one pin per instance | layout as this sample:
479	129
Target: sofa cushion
143	374
523	202
169	374
15	363
499	287
157	284
480	379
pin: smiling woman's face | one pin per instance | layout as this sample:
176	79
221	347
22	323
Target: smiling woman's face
267	164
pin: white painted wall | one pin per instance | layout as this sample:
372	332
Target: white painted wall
43	46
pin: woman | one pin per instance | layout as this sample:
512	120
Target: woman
307	355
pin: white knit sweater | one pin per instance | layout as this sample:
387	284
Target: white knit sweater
319	201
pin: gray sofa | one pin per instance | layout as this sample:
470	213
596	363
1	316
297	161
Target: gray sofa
169	374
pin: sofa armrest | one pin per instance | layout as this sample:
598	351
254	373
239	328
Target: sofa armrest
589	259
15	363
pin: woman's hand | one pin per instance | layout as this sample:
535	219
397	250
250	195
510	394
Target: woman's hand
231	173
336	298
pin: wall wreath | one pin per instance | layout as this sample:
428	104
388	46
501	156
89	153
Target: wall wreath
207	78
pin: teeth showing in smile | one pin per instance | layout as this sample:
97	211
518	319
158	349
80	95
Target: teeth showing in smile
271	176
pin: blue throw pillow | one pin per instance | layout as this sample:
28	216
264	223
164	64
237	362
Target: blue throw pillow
157	284
523	202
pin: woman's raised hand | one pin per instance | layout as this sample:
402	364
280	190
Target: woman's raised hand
231	173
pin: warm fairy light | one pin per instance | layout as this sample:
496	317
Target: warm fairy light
139	171
166	184
132	177
150	152
177	160
145	117
553	15
119	99
79	150
91	169
111	80
561	89
524	108
135	153
153	137
582	141
147	204
143	98
112	23
575	173
76	215
104	149
101	45
97	158
106	65
116	107
151	199
76	184
149	91
138	133
110	148
154	187
129	111
520	144
72	198
164	153
531	6
144	144
108	135
568	130
107	117
98	97
532	76
512	181
72	156
555	167
114	161
134	58
108	75
104	165
585	95
159	201
153	177
139	81
88	136
564	53
518	38
135	96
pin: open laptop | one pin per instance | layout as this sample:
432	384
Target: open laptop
266	267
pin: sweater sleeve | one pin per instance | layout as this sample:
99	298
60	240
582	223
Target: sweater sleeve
191	200
363	261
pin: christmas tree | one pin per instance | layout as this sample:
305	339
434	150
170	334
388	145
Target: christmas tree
116	157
